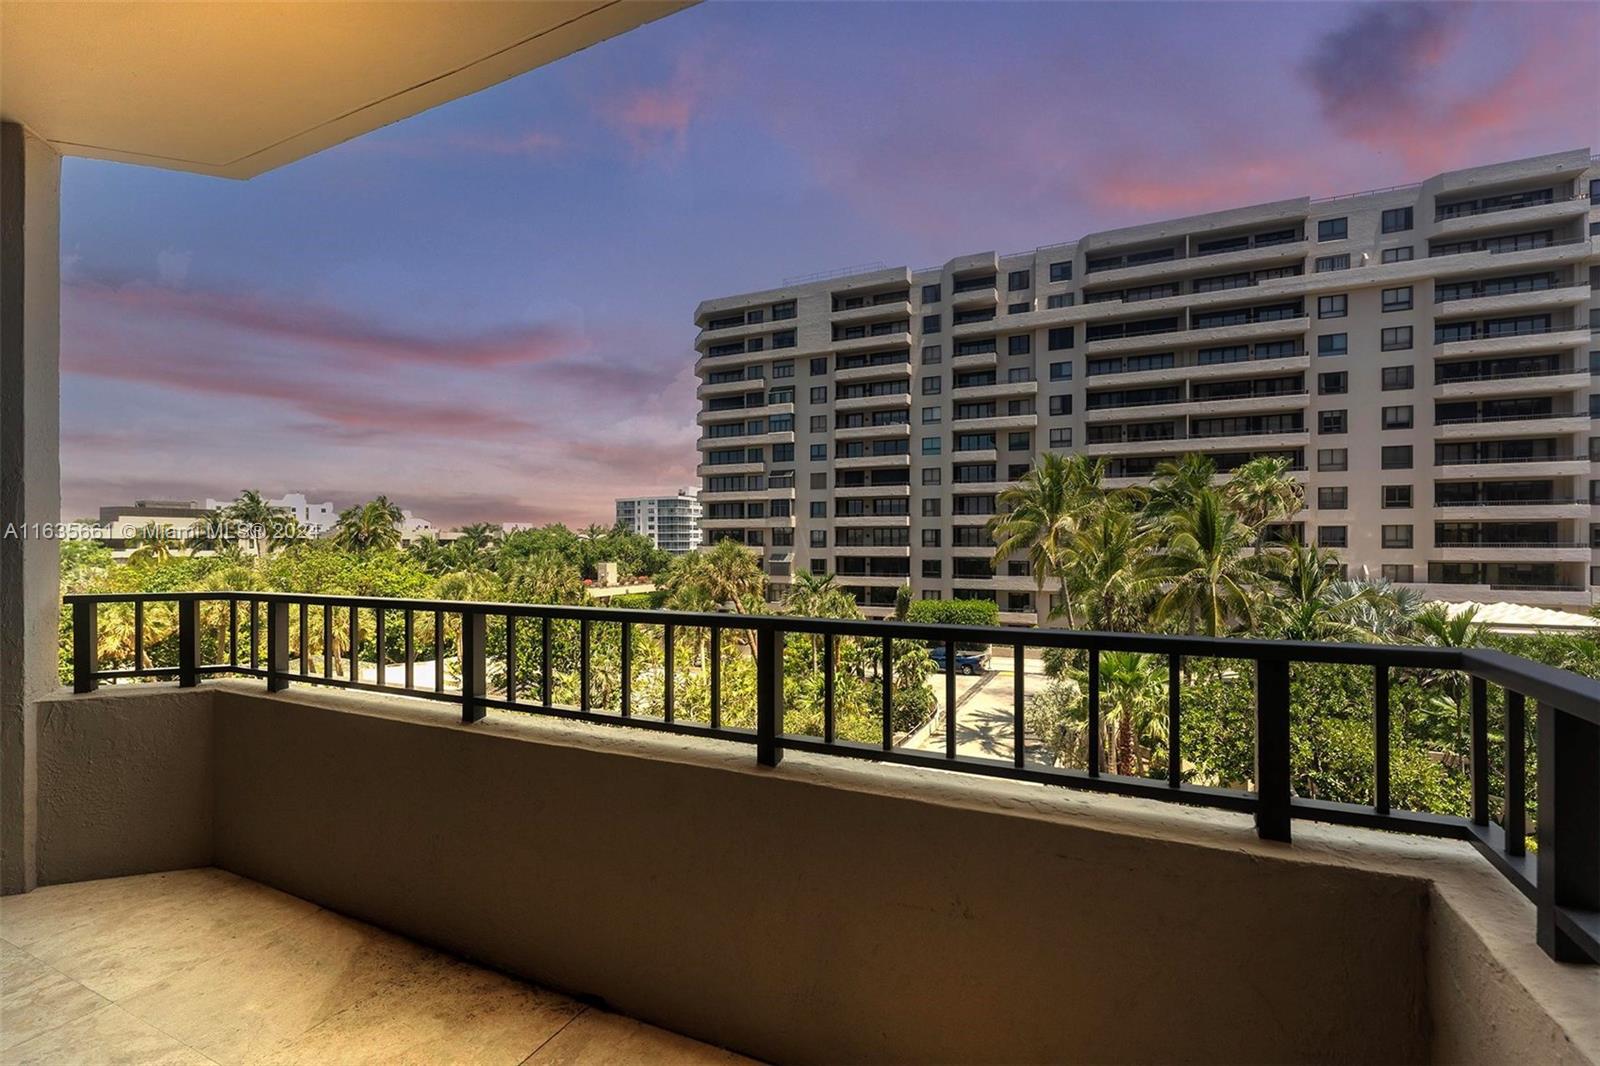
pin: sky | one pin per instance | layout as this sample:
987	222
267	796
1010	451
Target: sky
486	311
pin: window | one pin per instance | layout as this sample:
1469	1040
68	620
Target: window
1396	457
1061	438
1018	280
783	339
782	538
1333	384
819	509
819	423
1333	229
1059	299
932	476
1061	271
1396	496
1060	405
781	453
783	370
1398	377
1398	573
932	353
1397	417
1333	498
1325	263
784	394
819	394
819	538
932	568
1333	459
1396	339
819	566
819	453
930	508
1397	220
1021	344
1060	338
1333	536
931	294
1403	254
1018	442
931	386
1333	306
819	480
931	414
930	445
1397	299
782	311
1331	422
1333	344
930	324
1020	373
930	538
1397	536
1061	371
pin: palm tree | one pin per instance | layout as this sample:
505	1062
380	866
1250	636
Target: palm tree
1209	578
1311	602
1263	491
1113	569
1178	483
725	575
1040	514
1437	627
375	524
1132	687
252	519
152	544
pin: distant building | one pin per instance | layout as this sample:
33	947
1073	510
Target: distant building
120	523
671	522
315	519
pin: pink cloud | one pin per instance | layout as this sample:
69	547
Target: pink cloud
656	118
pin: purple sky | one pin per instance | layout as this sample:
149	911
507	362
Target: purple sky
485	311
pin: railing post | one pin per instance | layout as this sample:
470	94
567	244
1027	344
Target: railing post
769	695
474	664
1272	749
1569	827
277	645
1478	756
188	643
85	645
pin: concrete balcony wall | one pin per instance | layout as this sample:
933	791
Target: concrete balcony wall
824	910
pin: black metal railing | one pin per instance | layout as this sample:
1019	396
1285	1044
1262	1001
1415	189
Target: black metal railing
269	635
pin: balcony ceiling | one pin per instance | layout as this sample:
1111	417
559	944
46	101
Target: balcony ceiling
235	89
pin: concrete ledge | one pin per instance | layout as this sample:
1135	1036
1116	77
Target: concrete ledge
831	909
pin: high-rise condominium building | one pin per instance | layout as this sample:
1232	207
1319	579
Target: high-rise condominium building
672	522
1421	356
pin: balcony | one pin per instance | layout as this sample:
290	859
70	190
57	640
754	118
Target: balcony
760	411
1553	508
879	372
1554	296
1560	210
846	521
1513	552
1217	263
999	390
1563	465
1510	343
746	440
994	423
900	339
872	403
1266	402
978	361
897	429
1538	425
1512	384
872	490
873	312
1245	332
867	462
984	296
1257	441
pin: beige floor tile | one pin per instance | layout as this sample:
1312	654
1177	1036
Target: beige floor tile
597	1037
121	935
35	998
106	1037
440	1011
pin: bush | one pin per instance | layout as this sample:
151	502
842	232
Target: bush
955	612
633	601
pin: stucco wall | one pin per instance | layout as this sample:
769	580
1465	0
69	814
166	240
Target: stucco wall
799	922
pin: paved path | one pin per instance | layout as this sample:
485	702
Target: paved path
984	725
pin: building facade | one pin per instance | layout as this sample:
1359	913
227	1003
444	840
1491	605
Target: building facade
1421	355
314	519
671	522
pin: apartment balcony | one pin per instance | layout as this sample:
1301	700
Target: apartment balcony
1192	338
1018	618
740	495
981	361
1513	426
872	490
999	390
980	328
1495	385
714	469
1556	296
1564	596
707	522
894	310
730	388
868	462
743	331
988	296
847	521
1266	403
996	423
1219	263
898	429
872	403
970	551
881	372
896	551
1513	552
1567	465
763	411
706	364
1571	250
901	339
1557	212
1511	343
1551	508
973	519
1265	367
976	455
746	440
872	580
1266	441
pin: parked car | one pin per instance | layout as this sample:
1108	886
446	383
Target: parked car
967	662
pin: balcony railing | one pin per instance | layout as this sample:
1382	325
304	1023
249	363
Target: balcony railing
1545	502
268	635
1465	420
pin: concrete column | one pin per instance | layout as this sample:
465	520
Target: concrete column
30	480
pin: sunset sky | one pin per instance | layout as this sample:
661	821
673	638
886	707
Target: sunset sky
485	311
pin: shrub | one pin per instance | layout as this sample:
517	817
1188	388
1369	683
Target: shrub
955	612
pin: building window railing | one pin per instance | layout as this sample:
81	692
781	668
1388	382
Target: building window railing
509	657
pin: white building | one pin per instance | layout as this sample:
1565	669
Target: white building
315	519
671	522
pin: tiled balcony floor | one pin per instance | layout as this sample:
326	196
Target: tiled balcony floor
199	966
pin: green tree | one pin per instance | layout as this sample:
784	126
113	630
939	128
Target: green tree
1263	491
374	524
1209	581
1039	515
